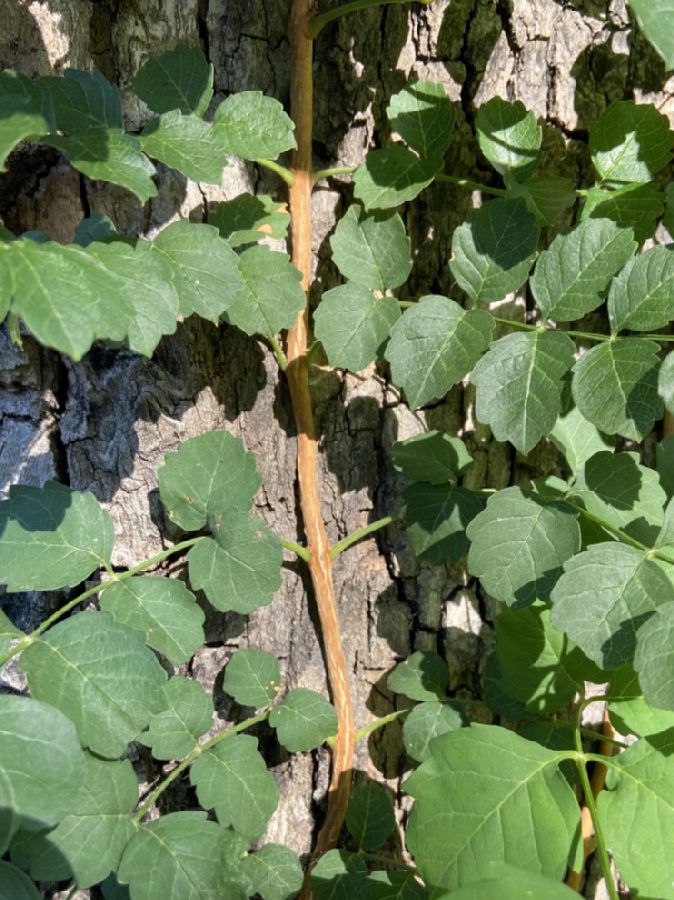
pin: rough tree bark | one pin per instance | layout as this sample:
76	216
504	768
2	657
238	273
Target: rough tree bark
106	423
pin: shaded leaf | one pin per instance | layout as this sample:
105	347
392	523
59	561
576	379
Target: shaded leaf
577	439
422	676
372	250
426	721
546	196
629	712
666	382
630	142
186	714
181	79
303	720
370	817
436	517
641	295
339	875
509	136
96	227
22	113
635	206
83	100
431	456
274	871
434	345
655	20
422	114
509	883
252	677
15	884
185	143
252	126
394	885
247	218
654	658
392	176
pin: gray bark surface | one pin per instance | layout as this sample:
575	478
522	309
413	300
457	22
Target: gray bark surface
106	423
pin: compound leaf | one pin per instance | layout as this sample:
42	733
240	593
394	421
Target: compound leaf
185	143
436	517
494	249
573	273
422	676
635	206
252	126
426	721
101	675
637	802
162	609
392	176
431	456
247	219
464	813
372	249
605	595
40	760
186	714
109	154
630	142
210	475
83	100
51	537
640	298
422	114
615	386
369	816
269	296
654	658
509	136
240	568
274	871
519	544
232	778
252	677
434	345
519	385
303	720
181	79
353	325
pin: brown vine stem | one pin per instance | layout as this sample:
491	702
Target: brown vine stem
320	566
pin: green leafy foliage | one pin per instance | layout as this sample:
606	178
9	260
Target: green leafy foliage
370	817
253	126
232	778
494	249
274	872
436	517
434	345
101	675
51	537
339	875
303	720
80	101
422	676
546	196
635	206
15	884
654	18
186	714
460	818
519	545
426	721
423	117
510	883
252	677
247	218
185	143
654	657
431	456
180	79
392	176
577	438
372	250
509	136
640	297
629	142
22	112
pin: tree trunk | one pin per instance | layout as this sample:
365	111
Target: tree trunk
105	424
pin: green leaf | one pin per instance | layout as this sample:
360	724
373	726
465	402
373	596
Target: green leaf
392	176
577	439
51	537
372	250
605	595
655	20
353	325
664	463
630	142
252	677
274	871
629	711
180	79
163	609
339	875
185	143
545	196
252	126
519	544
239	569
654	658
15	884
108	154
617	489
232	778
572	275
101	675
186	714
8	633
494	249
96	227
431	456
303	720
210	475
22	113
464	816
394	885
83	100
370	817
509	883
41	763
422	676
270	296
177	857
426	721
637	802
635	206
640	298
90	840
436	517
666	382
509	136
422	114
246	219
434	345
541	667
615	387
496	693
519	385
